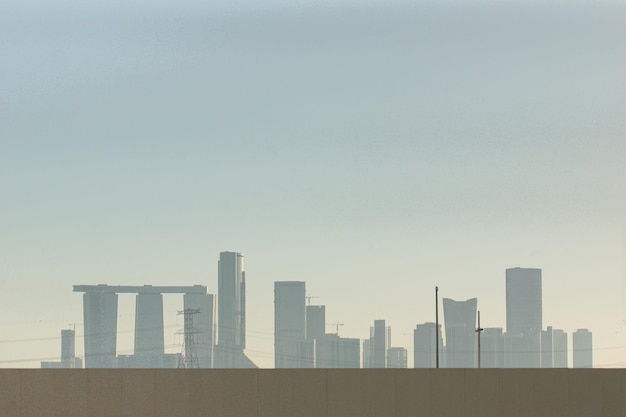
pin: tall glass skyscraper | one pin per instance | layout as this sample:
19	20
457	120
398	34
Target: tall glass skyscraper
460	324
523	300
315	322
290	325
149	340
524	316
231	313
100	311
231	277
204	325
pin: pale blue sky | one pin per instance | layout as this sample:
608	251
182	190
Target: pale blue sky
372	151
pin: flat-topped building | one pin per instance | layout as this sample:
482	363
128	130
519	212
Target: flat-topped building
142	289
100	318
231	312
523	301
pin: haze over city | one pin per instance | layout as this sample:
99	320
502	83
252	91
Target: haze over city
373	150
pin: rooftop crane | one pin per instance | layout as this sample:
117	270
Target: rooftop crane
308	299
336	326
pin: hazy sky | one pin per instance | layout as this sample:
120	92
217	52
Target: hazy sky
373	150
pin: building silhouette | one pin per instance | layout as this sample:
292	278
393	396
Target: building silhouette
100	323
522	350
547	348
492	348
559	349
396	357
149	341
333	351
100	304
582	345
315	322
231	317
68	355
523	300
204	325
290	349
68	349
368	350
375	349
524	316
460	326
231	300
424	349
379	345
315	331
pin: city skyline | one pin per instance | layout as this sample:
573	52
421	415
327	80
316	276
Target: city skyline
300	342
373	151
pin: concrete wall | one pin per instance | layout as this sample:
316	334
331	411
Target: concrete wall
312	392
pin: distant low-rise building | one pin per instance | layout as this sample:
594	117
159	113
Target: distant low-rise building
68	356
424	348
582	346
559	349
333	351
396	357
547	348
492	348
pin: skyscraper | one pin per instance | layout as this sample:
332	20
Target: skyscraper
524	316
231	327
559	349
424	349
231	317
204	325
375	349
582	348
460	325
492	348
290	325
379	345
149	341
523	300
100	318
315	331
547	348
315	322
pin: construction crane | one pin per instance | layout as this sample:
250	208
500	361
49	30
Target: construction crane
308	299
336	326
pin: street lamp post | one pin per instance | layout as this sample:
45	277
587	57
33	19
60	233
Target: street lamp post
437	327
479	330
